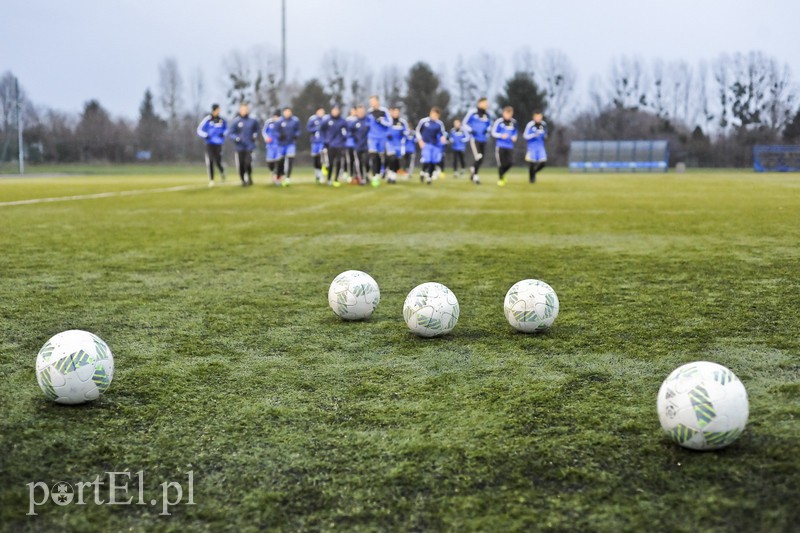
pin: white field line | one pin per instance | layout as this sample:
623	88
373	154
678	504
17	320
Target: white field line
100	195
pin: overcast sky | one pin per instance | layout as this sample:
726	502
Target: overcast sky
66	52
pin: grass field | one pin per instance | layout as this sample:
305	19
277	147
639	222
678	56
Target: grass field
230	364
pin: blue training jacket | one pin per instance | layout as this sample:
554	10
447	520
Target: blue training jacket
503	127
359	131
477	124
350	142
313	125
212	129
430	131
535	133
458	139
244	132
287	130
269	131
333	131
379	122
397	132
411	141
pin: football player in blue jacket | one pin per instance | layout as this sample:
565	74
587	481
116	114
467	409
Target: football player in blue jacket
244	131
432	137
379	122
358	130
317	142
458	143
536	156
350	148
334	135
504	131
288	130
477	123
271	141
212	128
395	144
410	157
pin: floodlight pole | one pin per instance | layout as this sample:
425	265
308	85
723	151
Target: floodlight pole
19	128
283	51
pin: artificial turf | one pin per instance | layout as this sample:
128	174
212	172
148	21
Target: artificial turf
230	364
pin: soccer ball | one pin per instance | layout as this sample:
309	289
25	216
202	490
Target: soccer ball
74	367
530	306
354	295
703	406
431	309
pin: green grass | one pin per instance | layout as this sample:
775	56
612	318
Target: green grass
230	364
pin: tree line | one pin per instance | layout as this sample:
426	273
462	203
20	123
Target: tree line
711	112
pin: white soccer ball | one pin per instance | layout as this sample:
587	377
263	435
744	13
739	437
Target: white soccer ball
354	295
74	367
431	309
530	306
703	406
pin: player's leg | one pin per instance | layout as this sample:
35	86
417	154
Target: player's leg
240	165
317	166
362	168
209	165
217	159
291	151
249	166
479	151
336	160
504	164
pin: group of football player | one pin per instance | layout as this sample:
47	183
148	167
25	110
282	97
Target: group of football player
372	145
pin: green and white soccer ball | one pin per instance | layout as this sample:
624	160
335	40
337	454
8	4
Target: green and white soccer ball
703	406
531	306
430	310
74	367
354	295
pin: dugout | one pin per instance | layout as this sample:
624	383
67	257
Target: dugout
776	158
619	156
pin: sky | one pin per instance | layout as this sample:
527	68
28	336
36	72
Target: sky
65	53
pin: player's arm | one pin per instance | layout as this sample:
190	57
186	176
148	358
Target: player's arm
296	132
201	128
494	131
419	133
310	128
256	130
530	131
514	131
467	126
265	131
385	118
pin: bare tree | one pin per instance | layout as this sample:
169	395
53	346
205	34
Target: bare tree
170	86
525	61
754	91
240	78
628	81
360	81
781	96
700	96
486	74
267	81
557	76
346	76
464	89
391	85
197	89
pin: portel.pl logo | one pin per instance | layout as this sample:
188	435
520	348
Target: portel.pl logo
113	492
